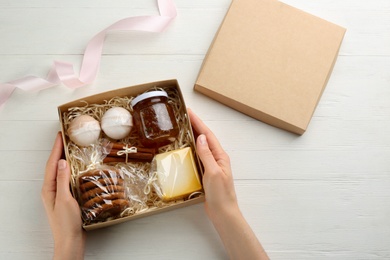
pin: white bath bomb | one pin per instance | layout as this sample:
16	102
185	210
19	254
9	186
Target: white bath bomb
117	123
84	130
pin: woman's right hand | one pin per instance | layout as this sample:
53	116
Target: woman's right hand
217	178
221	202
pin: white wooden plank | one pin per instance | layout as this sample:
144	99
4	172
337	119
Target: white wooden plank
191	32
342	221
22	165
319	219
337	135
275	164
355	90
283	156
47	32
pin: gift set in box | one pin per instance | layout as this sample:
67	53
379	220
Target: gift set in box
131	152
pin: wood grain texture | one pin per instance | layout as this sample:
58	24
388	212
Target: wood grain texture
324	195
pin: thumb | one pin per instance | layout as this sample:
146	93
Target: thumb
63	176
205	154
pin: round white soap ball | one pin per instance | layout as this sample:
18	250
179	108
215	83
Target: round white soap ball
84	130
117	123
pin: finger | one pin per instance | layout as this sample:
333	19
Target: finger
49	183
197	123
205	154
63	176
201	128
212	141
51	165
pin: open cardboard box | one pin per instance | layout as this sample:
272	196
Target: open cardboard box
132	92
270	61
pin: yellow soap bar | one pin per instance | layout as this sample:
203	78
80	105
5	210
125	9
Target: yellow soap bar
177	174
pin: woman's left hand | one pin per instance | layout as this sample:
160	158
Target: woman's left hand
61	208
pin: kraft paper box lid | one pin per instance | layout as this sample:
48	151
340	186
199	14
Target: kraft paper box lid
271	61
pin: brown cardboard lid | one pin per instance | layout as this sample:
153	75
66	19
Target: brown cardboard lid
271	61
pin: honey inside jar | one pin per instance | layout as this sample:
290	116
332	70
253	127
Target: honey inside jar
154	118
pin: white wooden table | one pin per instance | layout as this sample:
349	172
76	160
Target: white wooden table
324	195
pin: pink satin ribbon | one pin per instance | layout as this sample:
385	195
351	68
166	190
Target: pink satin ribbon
63	72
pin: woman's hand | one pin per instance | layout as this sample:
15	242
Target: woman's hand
217	178
61	208
221	202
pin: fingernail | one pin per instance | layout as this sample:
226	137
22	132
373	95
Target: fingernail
202	139
61	164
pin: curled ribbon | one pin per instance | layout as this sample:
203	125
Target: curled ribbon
63	72
126	151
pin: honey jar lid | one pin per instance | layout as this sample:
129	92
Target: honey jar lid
156	93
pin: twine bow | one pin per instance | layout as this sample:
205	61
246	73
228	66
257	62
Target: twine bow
151	180
126	151
94	160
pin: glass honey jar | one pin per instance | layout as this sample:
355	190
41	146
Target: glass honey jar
154	119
